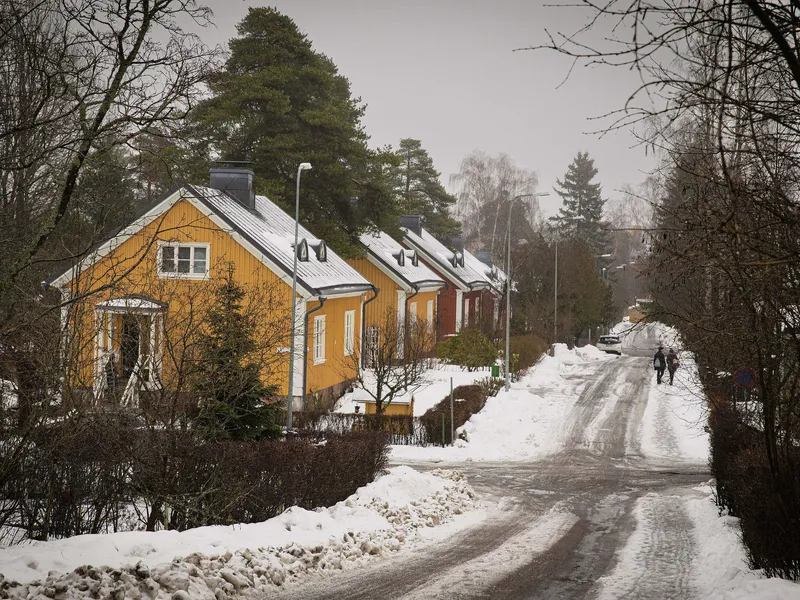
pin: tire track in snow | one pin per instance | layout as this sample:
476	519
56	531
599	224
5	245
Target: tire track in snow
656	561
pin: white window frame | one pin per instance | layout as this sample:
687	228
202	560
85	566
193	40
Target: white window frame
176	246
478	309
319	339
412	313
349	332
430	315
466	312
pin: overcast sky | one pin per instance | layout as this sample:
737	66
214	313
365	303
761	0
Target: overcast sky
443	72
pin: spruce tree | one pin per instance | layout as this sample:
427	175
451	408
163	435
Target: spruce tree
233	397
581	216
277	102
420	191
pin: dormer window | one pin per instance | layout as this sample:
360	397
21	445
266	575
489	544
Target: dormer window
321	251
457	260
302	250
401	258
415	258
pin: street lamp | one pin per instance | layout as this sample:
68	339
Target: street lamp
290	395
508	279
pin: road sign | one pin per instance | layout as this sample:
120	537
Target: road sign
744	378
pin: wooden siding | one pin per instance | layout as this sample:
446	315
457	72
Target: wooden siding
337	367
387	298
131	268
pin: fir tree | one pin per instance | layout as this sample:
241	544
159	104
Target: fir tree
278	103
581	216
421	192
233	397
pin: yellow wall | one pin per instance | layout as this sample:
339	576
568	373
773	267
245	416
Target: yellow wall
131	269
337	367
387	298
422	305
392	409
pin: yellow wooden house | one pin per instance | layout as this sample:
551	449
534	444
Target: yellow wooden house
140	296
408	289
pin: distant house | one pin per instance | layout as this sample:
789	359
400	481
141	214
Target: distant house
474	288
144	289
408	289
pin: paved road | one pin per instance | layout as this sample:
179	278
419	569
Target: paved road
557	523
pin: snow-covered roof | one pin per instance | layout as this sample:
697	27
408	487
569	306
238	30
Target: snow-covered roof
271	230
493	274
133	303
439	254
385	249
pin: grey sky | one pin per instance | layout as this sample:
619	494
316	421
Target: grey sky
443	71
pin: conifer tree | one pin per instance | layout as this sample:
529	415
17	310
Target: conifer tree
278	103
581	216
233	397
420	191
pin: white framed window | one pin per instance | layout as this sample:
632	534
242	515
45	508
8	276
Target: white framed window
430	315
183	260
466	312
349	332
412	312
319	339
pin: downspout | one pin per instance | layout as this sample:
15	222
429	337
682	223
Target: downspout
322	300
405	319
376	291
441	291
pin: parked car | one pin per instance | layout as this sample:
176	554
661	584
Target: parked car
610	343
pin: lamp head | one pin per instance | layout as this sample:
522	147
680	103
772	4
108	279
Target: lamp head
305	167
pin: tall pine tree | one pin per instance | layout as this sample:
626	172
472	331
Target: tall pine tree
278	103
581	215
420	191
233	397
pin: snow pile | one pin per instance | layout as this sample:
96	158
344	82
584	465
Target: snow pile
223	562
673	425
524	422
720	569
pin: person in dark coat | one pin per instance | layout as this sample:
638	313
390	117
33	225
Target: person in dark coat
659	364
672	364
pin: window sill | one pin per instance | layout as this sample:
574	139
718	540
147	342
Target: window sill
319	361
195	276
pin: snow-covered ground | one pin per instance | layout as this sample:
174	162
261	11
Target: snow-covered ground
702	557
523	423
433	387
673	425
218	562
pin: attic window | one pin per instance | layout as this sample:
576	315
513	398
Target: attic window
457	260
401	258
415	259
302	250
321	251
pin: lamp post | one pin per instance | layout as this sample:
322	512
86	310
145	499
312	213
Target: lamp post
508	279
290	395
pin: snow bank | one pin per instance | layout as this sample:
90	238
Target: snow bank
720	568
673	425
220	562
524	422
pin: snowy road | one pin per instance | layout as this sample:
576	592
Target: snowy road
599	518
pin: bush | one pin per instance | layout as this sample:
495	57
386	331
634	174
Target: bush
85	475
470	349
750	490
469	399
528	349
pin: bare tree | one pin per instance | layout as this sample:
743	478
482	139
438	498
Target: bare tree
397	354
484	185
81	80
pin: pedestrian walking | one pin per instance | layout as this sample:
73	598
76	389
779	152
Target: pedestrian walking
672	364
659	364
